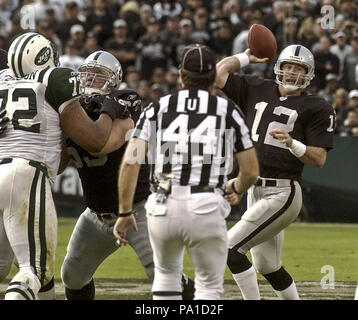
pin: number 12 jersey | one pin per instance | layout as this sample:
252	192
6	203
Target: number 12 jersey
307	118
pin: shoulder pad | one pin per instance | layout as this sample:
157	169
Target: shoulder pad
318	102
62	87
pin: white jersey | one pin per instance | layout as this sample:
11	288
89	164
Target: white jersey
33	105
6	75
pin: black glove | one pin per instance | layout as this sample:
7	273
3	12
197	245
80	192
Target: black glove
115	108
92	105
130	98
3	121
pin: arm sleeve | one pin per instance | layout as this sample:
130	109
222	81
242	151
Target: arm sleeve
236	89
146	124
62	88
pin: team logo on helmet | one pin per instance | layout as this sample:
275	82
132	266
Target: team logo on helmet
43	56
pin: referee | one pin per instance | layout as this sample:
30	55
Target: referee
191	137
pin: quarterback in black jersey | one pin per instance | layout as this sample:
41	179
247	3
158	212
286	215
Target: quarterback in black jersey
92	240
290	129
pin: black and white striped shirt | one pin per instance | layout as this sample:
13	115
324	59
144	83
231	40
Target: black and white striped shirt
193	135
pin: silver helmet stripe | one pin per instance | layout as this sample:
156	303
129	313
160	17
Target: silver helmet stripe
21	52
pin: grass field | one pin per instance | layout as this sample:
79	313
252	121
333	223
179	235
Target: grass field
307	248
312	253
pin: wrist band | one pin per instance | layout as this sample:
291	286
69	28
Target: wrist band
243	58
127	214
233	189
298	149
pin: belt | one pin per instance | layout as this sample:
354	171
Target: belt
105	216
32	163
196	189
199	189
263	182
6	160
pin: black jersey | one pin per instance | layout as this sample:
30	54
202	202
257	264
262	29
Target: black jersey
307	118
99	177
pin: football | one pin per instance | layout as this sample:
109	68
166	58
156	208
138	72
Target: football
262	42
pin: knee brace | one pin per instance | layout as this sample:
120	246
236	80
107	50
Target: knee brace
237	262
86	293
280	279
265	264
24	286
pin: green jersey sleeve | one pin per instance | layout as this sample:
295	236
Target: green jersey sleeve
62	88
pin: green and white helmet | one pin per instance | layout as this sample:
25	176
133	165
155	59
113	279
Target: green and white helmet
299	55
31	52
100	67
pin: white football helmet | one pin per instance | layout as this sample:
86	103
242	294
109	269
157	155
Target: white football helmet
100	73
299	55
30	52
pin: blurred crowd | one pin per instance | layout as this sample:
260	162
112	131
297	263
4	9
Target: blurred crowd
148	37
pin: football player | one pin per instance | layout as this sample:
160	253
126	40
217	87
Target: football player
41	103
92	240
290	129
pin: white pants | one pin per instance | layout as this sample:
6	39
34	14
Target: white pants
28	220
197	222
261	228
